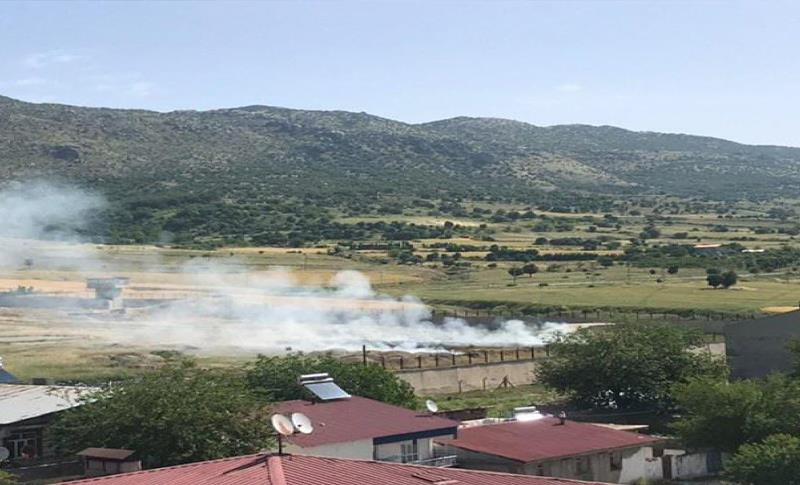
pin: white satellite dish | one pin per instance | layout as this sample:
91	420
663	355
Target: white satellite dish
431	405
282	425
4	453
302	423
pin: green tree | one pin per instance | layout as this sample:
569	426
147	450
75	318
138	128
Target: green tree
729	278
714	280
774	461
725	416
530	269
515	271
276	377
627	365
178	414
7	478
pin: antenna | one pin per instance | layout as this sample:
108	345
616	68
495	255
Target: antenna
299	423
302	423
432	406
4	453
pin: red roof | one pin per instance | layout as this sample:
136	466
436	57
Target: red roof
360	418
527	441
311	470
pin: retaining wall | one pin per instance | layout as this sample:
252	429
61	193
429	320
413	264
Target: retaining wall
446	380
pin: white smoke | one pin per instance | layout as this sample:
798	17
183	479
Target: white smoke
35	213
228	307
275	314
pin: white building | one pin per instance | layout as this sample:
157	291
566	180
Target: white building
361	428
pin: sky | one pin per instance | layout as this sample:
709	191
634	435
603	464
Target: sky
727	69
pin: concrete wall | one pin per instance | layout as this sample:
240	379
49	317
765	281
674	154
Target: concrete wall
359	450
446	380
756	348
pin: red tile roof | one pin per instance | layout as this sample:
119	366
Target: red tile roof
360	418
526	441
311	470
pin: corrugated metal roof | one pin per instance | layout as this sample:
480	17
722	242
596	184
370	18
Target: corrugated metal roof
311	470
527	441
19	402
359	418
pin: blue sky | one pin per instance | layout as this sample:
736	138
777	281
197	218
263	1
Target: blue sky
727	69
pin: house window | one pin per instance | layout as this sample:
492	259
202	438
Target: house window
409	452
582	465
615	460
22	444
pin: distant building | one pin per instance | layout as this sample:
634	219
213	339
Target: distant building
357	427
25	412
266	469
109	461
545	447
756	348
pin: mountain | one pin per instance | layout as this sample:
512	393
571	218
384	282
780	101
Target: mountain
256	157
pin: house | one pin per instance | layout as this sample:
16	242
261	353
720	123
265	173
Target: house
109	461
267	469
756	348
549	446
26	410
362	428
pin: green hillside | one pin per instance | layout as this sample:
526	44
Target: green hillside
285	174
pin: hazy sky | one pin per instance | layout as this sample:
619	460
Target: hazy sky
727	69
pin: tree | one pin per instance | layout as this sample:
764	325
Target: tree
672	269
725	416
7	478
530	269
276	377
729	278
178	414
776	460
714	280
630	365
515	271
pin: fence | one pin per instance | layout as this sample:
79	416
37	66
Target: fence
454	359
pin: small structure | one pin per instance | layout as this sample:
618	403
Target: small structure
109	290
757	348
546	447
26	410
262	469
109	461
356	427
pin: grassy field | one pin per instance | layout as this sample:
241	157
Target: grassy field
501	402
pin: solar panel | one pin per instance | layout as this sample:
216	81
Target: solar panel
323	387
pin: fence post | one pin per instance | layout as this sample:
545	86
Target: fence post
453	359
547	350
517	353
486	356
419	362
364	354
502	356
533	353
436	359
383	361
401	363
469	357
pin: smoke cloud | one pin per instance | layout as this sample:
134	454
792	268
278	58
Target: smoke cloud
35	212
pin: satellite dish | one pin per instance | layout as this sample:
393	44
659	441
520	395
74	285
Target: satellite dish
282	425
302	423
4	453
431	405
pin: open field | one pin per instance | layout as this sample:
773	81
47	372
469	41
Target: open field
49	343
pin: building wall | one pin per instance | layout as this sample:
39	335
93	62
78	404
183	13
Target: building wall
471	377
360	450
756	348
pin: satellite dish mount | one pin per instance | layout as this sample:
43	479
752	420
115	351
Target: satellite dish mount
284	426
